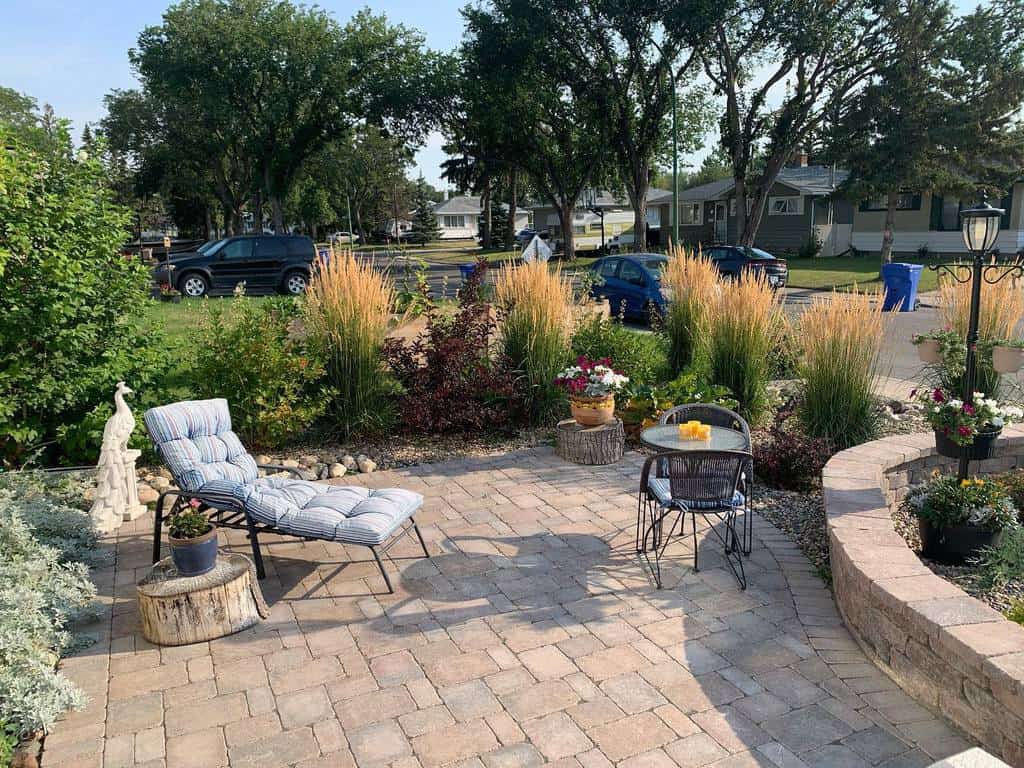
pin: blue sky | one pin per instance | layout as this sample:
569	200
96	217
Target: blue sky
69	54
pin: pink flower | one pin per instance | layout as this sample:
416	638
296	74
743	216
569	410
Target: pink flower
968	409
194	503
964	431
938	397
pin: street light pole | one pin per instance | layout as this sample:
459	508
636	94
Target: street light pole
675	166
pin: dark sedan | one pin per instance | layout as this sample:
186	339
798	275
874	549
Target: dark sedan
733	260
264	263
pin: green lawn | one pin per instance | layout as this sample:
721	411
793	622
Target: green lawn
842	272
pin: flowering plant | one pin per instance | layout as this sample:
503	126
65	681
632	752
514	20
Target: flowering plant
944	501
591	378
960	421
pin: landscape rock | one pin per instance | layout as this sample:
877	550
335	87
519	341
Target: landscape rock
165	473
324	473
366	464
264	459
349	462
147	494
160	483
309	460
290	463
337	470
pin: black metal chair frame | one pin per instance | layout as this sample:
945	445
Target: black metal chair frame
648	505
238	519
720	416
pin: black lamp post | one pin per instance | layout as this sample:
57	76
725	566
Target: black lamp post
980	227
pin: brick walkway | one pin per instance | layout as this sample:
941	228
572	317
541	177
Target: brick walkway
533	635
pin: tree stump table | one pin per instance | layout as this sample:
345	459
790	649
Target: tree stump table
590	445
178	610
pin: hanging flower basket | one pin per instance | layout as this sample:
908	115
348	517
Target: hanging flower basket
981	447
928	351
1007	358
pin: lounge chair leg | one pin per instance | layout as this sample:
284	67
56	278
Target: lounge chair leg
693	515
257	556
380	564
158	520
420	537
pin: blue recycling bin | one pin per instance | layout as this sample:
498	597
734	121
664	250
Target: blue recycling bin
900	286
466	270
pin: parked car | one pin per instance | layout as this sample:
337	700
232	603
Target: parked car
631	283
344	237
413	237
264	262
733	260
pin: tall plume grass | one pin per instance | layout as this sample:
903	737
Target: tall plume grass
1002	307
842	340
695	285
743	326
536	304
348	305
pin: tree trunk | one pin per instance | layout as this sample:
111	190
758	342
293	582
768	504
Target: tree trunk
394	212
207	222
229	220
890	222
754	217
638	194
257	211
740	196
565	213
276	214
513	205
485	224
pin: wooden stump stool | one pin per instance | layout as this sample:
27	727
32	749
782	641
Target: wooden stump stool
178	610
590	445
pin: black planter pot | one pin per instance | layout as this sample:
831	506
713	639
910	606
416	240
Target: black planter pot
956	543
982	447
194	557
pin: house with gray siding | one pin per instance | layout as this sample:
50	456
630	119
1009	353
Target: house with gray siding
801	205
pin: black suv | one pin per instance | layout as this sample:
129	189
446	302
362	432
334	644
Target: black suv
263	262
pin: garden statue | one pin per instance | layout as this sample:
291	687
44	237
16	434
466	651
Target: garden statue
117	494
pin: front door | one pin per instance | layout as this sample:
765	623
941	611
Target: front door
721	223
232	263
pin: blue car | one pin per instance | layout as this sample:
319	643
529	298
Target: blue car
631	283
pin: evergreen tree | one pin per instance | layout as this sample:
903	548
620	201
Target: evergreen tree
500	235
423	219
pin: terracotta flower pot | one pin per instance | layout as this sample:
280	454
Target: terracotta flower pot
592	411
928	351
1007	359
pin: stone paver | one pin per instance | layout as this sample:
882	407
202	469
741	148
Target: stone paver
532	635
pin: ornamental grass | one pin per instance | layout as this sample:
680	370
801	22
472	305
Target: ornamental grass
348	305
694	285
742	328
536	306
842	342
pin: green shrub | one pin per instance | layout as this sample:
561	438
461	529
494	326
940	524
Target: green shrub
640	356
253	352
8	742
188	525
944	501
642	404
71	305
1005	561
1013	482
40	595
1016	612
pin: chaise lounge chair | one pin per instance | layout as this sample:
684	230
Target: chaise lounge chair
209	464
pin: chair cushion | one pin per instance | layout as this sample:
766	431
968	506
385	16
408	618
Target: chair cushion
662	490
345	513
195	439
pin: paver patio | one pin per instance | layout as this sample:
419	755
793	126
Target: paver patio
534	635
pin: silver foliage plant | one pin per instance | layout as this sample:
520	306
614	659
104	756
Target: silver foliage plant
44	588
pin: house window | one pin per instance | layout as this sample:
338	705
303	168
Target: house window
905	201
785	206
689	214
453	222
579	229
732	206
578	215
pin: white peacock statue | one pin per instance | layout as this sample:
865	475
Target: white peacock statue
117	493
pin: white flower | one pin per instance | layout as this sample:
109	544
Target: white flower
955	404
996	421
1013	412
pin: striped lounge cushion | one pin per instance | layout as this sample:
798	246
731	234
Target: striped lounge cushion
349	514
662	490
195	439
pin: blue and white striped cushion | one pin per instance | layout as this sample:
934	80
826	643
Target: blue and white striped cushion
662	490
194	438
350	514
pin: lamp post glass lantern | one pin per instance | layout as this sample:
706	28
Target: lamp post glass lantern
980	227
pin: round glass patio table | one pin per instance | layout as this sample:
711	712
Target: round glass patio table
665	437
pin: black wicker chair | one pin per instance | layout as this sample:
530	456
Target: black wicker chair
698	482
718	416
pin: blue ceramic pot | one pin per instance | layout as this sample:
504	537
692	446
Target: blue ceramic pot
194	557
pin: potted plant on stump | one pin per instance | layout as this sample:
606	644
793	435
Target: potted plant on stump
959	518
591	385
193	541
965	430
